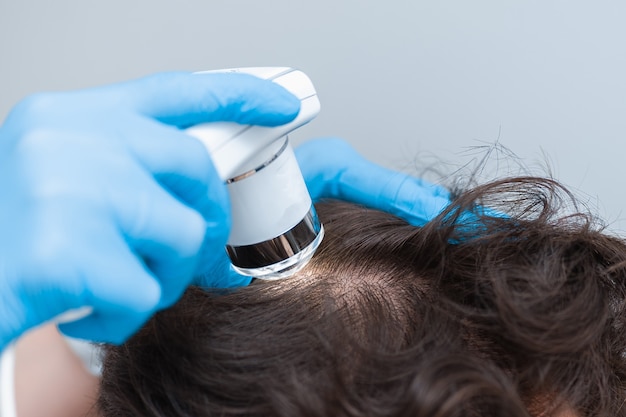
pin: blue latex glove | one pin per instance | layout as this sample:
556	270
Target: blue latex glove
333	169
105	202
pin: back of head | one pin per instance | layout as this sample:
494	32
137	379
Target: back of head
475	314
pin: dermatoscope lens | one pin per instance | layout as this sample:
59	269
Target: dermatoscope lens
275	227
281	256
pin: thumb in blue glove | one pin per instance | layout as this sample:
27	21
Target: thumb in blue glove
333	169
107	203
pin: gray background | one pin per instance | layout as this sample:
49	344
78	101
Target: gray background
407	82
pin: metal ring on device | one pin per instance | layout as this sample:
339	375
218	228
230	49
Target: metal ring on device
279	248
260	167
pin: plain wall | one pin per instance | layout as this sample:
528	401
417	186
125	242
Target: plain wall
404	81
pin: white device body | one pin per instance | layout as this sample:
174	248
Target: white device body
267	191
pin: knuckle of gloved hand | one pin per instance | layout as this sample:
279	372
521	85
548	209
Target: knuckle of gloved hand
48	169
36	108
339	153
35	141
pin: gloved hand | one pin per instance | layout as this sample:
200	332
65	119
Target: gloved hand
333	169
106	203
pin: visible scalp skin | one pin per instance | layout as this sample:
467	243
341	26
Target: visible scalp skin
515	314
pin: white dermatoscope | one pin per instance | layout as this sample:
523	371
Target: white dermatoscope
275	229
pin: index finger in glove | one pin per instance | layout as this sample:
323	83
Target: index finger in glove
333	169
184	99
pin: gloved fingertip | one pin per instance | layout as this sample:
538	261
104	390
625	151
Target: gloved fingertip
285	106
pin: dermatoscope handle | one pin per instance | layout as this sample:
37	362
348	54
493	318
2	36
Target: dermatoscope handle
275	229
237	148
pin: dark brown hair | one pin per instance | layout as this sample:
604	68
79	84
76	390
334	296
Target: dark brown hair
476	314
